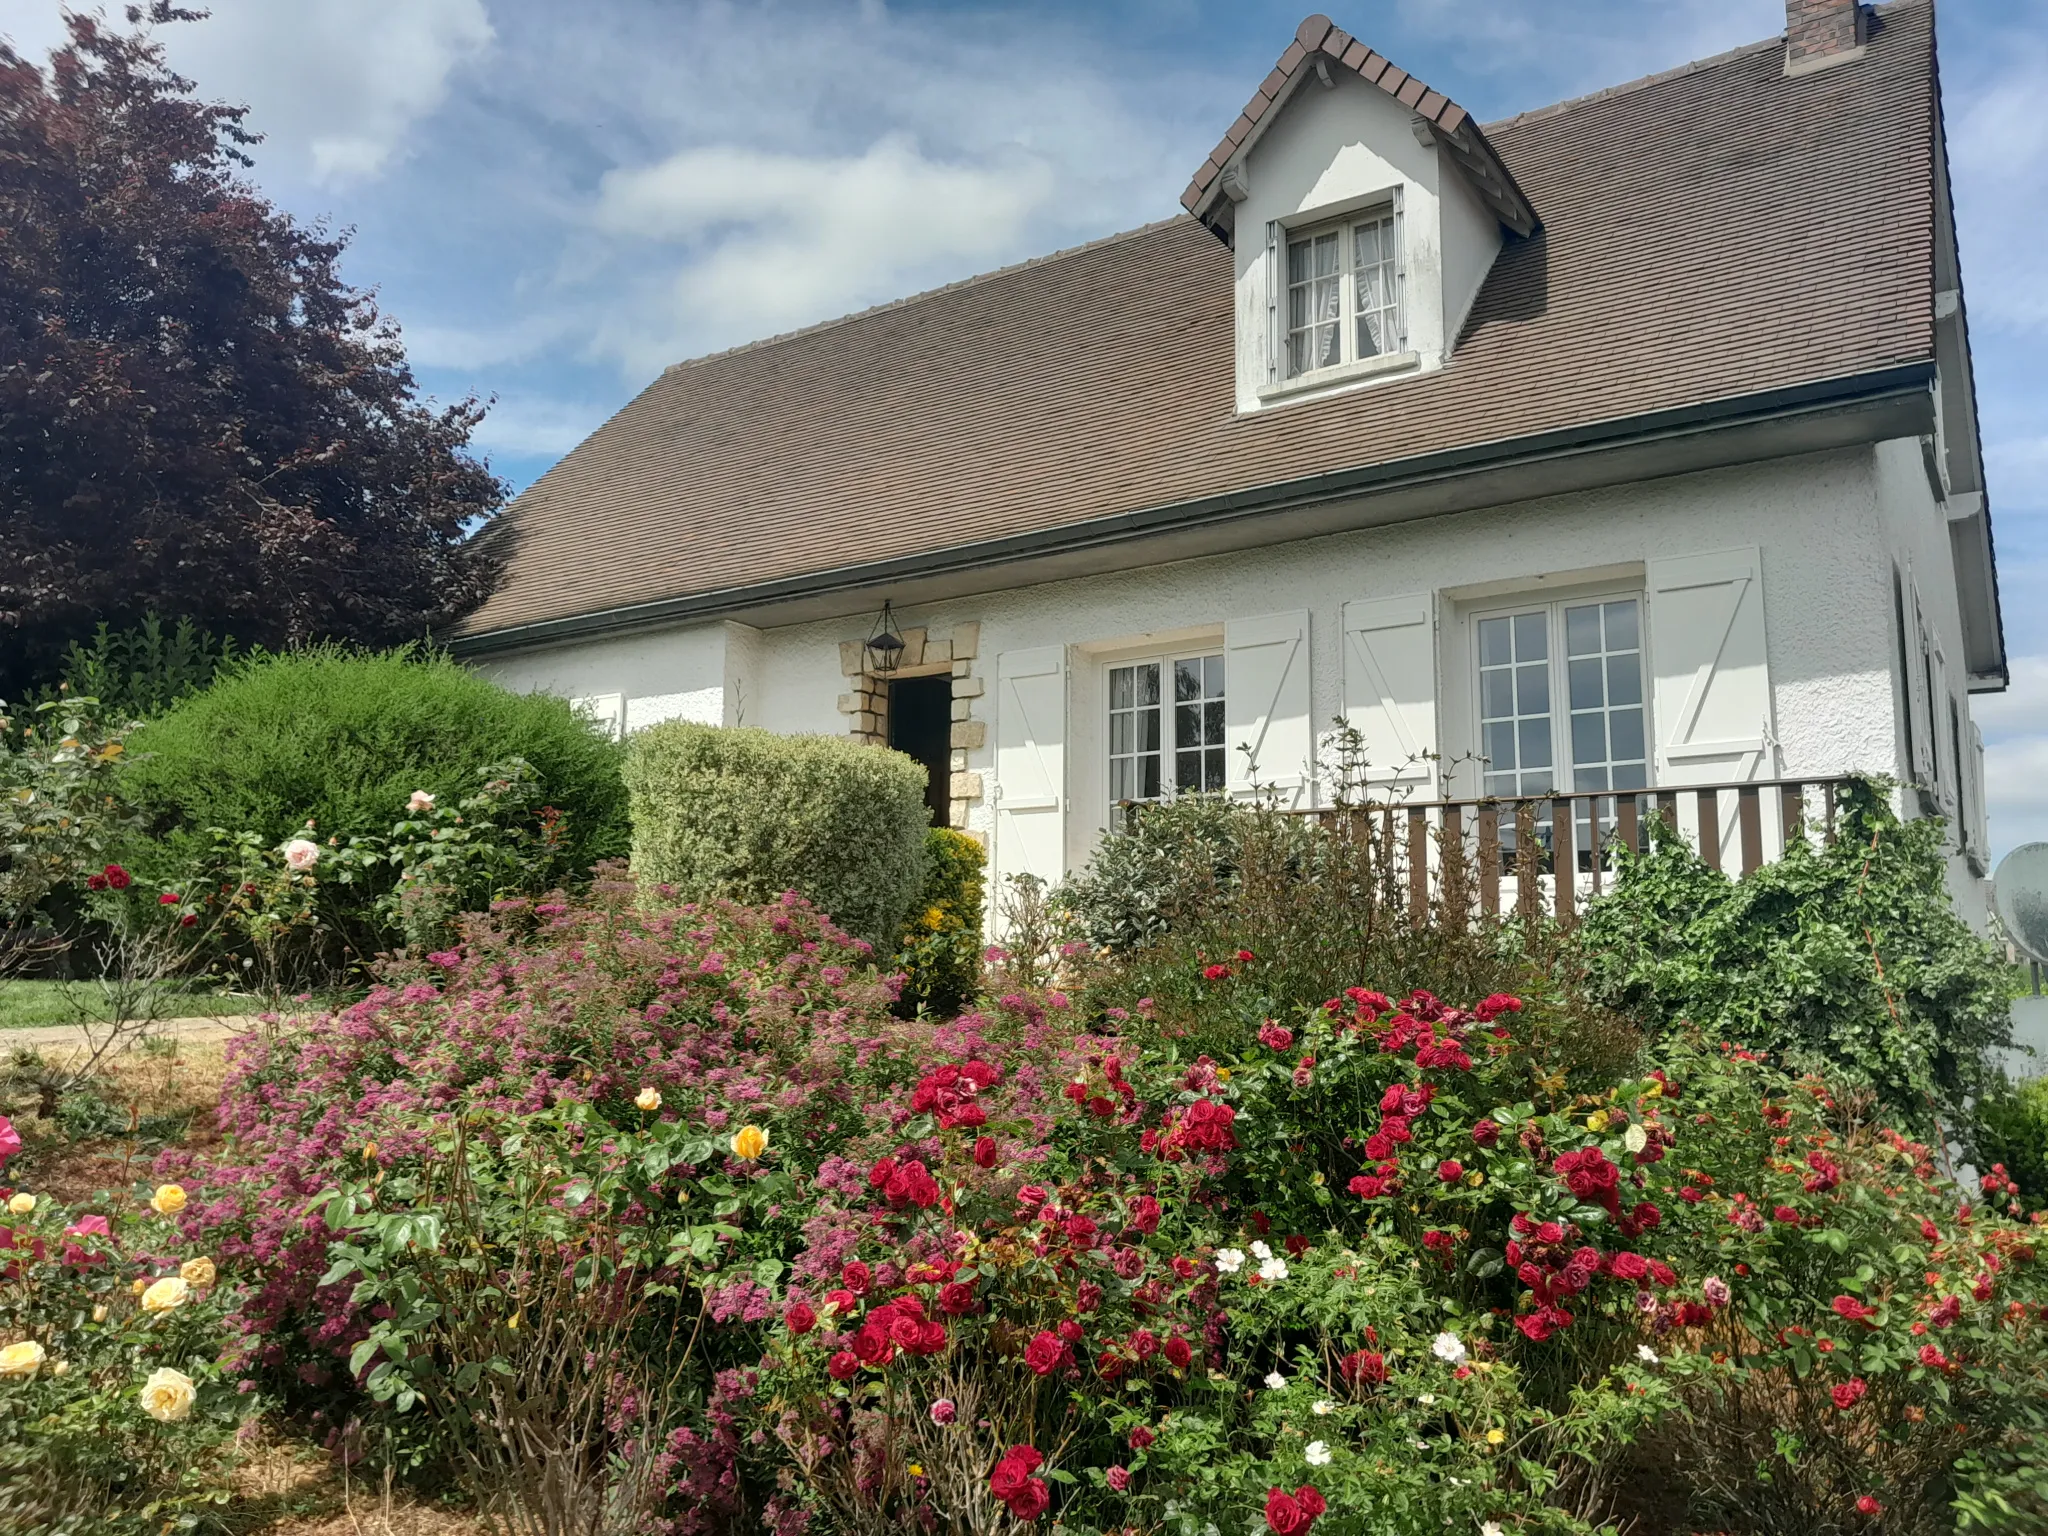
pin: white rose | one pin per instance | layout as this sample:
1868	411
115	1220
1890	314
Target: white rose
22	1359
1646	1354
22	1203
1448	1348
1322	1407
1230	1261
648	1099
168	1395
420	801
301	853
167	1294
1261	1251
1635	1138
1273	1269
1317	1454
1276	1381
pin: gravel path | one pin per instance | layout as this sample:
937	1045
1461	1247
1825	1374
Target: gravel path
58	1037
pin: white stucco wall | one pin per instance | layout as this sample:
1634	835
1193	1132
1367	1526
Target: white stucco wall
1824	525
1330	152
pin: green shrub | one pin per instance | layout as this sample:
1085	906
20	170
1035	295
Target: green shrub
745	814
1782	959
343	738
2012	1128
143	671
940	951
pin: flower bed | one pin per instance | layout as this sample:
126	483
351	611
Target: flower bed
1387	1266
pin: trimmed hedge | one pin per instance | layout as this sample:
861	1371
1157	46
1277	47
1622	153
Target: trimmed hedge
343	737
745	814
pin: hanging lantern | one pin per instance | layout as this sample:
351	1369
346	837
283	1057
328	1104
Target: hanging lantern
885	645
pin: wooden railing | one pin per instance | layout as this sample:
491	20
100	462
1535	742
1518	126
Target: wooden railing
1504	855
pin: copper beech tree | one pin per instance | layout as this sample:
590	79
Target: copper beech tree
198	417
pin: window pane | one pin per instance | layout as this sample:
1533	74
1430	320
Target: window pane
1187	680
1148	682
1187	770
1123	779
1589	739
1630	776
1215	759
1625	679
1120	688
1585	680
1149	785
1148	730
1534	742
1626	728
1537	783
1532	637
1493	643
1496	694
1532	690
1582	631
1122	734
1621	626
1498	744
1212	724
1500	783
1588	778
1212	676
1187	725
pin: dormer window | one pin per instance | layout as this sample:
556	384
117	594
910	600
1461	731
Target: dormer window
1344	299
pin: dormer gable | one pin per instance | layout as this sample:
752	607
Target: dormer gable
1364	210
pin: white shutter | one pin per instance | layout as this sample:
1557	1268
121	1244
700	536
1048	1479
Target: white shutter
1390	687
607	711
1265	706
1712	692
1926	749
1030	765
1980	820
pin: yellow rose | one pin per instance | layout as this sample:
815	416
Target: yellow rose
99	1313
1223	1074
1475	1178
167	1295
749	1142
649	1099
22	1203
1596	1122
61	1368
198	1273
1495	1436
1654	1091
167	1395
139	1287
168	1200
21	1359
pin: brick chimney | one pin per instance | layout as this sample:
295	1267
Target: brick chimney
1822	32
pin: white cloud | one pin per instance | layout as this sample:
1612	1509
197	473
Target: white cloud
336	87
538	426
1998	153
772	240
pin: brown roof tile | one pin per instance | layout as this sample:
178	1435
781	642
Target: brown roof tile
1707	234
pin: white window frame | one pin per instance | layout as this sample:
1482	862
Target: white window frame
1344	227
1165	661
1563	779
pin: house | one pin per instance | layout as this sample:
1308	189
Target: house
1629	443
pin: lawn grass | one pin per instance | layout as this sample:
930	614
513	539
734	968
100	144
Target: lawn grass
27	1004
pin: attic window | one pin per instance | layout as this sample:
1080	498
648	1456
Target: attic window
1344	299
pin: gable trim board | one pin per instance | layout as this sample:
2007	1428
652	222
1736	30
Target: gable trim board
1831	413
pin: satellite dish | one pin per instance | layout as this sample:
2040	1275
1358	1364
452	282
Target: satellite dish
2020	893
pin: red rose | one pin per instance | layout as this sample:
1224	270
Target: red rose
169	899
1246	956
1363	1367
1629	1266
1032	1500
957	1299
1290	1514
1215	972
1849	1393
1849	1309
117	877
1141	1437
1031	1197
1275	1037
95	882
1143	1215
857	1277
1046	1352
1450	1170
931	1337
873	1346
188	920
1070	1330
843	1365
1486	1133
800	1318
985	1152
878	1176
1868	1505
1179	1354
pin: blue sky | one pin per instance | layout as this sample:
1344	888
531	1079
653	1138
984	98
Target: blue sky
555	200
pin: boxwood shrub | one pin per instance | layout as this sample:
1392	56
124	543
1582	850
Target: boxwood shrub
343	737
745	814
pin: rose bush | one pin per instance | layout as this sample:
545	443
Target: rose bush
114	1412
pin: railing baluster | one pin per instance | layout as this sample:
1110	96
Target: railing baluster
1667	807
1566	867
1489	860
1625	822
1594	848
1709	803
1791	812
1455	897
1418	866
1749	815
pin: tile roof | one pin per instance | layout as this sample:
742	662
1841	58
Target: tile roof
1319	39
1710	233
